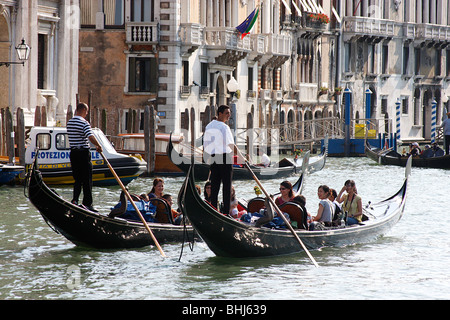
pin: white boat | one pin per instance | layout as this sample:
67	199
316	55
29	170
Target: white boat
54	158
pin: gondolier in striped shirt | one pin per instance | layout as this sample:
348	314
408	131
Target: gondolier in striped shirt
80	133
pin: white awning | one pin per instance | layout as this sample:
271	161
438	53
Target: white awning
320	7
312	6
299	12
305	6
288	9
338	19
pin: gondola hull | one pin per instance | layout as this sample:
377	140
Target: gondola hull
230	238
241	173
86	228
391	157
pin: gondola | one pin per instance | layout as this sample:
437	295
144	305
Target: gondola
282	169
391	157
86	228
228	237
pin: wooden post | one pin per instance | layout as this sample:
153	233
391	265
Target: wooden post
103	123
130	121
20	136
69	114
149	138
37	116
43	116
2	131
9	136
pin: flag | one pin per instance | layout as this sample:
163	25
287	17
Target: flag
245	27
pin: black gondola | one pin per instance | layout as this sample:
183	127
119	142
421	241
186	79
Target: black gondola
282	169
391	157
230	238
86	228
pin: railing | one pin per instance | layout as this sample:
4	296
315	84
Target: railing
225	38
314	130
142	32
369	26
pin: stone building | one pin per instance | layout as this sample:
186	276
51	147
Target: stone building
180	55
49	78
399	51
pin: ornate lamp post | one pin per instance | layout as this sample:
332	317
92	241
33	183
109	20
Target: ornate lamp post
23	52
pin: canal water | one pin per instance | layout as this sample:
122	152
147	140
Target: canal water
410	262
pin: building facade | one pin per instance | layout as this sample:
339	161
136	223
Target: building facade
399	51
49	78
180	55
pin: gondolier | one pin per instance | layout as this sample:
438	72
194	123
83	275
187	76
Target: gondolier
219	149
80	133
446	125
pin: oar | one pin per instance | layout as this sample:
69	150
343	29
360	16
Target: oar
280	213
127	194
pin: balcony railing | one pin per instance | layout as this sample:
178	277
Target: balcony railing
364	26
225	38
142	32
432	32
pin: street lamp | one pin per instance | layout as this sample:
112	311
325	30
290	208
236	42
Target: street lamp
23	52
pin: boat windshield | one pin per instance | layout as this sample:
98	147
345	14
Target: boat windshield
106	144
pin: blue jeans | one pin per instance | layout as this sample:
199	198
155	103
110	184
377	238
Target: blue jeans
351	220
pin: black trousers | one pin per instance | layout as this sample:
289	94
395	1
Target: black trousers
80	160
447	144
222	172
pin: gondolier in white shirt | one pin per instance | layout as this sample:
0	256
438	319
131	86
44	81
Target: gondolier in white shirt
80	133
219	149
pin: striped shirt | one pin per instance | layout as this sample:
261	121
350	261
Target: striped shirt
79	130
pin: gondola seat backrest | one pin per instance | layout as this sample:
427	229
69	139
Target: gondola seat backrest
163	211
255	204
296	213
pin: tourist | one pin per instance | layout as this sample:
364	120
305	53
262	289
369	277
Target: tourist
157	190
325	211
287	193
207	191
351	202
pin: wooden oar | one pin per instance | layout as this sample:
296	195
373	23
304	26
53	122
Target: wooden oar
280	213
127	194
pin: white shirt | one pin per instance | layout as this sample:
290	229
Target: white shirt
217	138
265	160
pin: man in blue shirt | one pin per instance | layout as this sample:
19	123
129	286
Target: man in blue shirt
446	125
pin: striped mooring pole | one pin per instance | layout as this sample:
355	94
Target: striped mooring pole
397	121
433	121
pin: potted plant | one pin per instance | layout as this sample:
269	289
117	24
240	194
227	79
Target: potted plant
338	90
323	90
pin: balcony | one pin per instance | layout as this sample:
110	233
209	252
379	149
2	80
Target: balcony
257	46
306	93
225	45
432	35
142	33
191	36
278	49
368	29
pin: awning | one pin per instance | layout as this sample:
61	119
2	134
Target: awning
299	12
312	6
338	19
305	6
288	9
